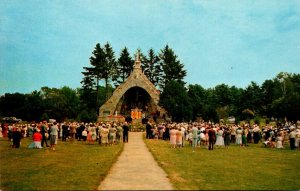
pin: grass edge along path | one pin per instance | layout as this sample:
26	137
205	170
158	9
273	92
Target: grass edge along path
236	168
72	166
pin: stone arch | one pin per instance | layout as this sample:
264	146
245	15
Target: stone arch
110	106
136	79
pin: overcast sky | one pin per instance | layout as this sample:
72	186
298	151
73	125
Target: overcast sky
46	43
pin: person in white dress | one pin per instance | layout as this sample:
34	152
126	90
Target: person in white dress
239	132
220	138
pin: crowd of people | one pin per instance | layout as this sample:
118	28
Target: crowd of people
46	134
221	136
194	134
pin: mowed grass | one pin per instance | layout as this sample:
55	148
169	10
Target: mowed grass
236	168
72	166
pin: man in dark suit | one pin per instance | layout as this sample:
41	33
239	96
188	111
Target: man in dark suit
65	131
148	130
44	131
211	138
125	132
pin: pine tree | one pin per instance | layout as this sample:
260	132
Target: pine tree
124	66
109	67
171	66
94	74
152	68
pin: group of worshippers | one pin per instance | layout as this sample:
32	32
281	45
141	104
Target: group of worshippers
46	134
40	134
108	133
221	135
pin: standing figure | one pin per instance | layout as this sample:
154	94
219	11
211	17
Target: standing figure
119	135
227	134
179	138
44	131
112	134
84	134
16	136
233	134
173	132
256	135
166	135
244	138
220	138
125	132
104	135
65	132
250	135
94	133
53	135
239	132
148	130
194	136
79	131
211	138
292	136
72	131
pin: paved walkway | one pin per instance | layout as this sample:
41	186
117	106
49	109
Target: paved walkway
136	169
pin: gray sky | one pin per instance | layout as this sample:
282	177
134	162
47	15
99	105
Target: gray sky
46	43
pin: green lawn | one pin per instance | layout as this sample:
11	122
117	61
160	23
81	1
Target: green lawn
249	168
72	166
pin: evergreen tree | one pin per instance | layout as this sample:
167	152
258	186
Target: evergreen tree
87	92
175	100
103	67
152	68
171	66
124	66
95	72
109	67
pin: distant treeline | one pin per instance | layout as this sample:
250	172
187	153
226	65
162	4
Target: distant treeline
278	98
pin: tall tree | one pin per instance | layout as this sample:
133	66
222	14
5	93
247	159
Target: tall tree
175	100
13	105
196	95
252	99
95	72
109	67
34	106
152	68
171	66
103	67
124	66
88	94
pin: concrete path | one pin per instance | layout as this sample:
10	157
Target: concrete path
136	169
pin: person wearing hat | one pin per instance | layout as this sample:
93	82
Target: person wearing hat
112	134
119	135
104	135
